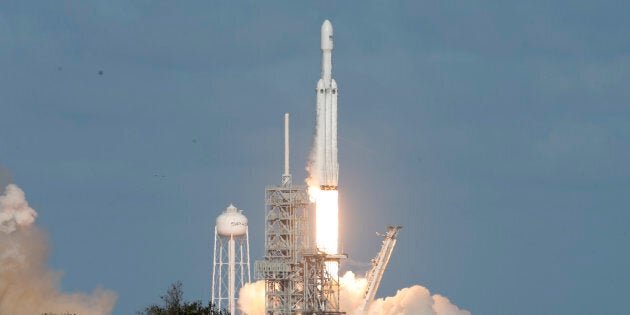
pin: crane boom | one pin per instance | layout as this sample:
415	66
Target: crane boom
379	264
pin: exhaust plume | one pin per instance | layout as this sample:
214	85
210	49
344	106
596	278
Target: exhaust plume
14	210
27	286
251	298
415	300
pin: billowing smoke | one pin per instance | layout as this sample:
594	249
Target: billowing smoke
27	287
251	298
14	210
415	300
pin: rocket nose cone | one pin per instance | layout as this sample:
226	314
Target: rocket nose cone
327	27
327	36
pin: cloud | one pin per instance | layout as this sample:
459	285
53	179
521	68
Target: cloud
415	300
27	286
251	299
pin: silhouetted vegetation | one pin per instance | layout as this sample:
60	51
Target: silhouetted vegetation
173	304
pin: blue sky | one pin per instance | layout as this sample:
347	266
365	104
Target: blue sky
496	132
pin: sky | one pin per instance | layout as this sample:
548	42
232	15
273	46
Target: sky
496	132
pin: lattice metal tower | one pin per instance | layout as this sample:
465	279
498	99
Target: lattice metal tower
296	281
285	235
321	288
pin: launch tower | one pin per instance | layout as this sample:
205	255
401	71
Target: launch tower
285	235
294	271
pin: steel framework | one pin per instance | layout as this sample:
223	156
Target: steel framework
285	235
321	289
295	274
379	264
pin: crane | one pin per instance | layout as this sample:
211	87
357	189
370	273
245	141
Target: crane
379	264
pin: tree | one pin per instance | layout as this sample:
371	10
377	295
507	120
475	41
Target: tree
173	304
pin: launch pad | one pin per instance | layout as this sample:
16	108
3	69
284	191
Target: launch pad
296	278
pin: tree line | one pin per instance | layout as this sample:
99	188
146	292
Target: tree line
173	304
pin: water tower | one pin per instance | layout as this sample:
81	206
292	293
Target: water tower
231	258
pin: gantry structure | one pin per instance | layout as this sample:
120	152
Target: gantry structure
294	271
379	264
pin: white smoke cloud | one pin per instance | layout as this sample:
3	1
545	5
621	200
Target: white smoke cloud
415	300
443	306
27	287
251	298
14	210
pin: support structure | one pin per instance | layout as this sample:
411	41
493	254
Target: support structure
321	288
296	280
286	220
375	275
285	236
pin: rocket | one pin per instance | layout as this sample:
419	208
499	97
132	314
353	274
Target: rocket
326	125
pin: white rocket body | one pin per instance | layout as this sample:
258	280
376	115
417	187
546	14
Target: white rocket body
326	126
